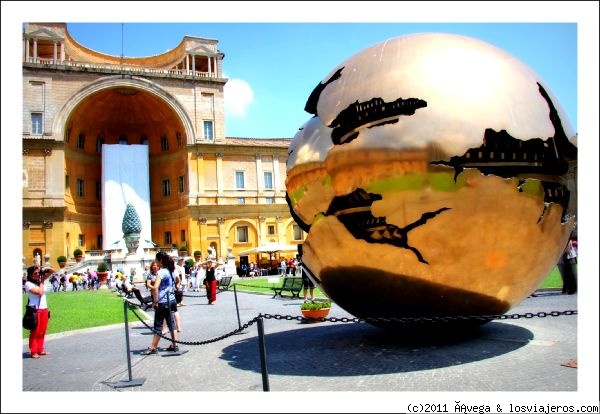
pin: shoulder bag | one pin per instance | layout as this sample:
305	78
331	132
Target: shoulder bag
30	319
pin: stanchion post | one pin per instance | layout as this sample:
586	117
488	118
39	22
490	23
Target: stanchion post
130	382
263	354
237	309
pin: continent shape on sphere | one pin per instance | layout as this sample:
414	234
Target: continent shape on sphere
448	169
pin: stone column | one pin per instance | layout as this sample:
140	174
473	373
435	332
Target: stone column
219	173
27	50
259	180
276	176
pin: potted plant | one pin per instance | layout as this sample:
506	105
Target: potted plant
315	310
102	273
62	261
183	250
78	255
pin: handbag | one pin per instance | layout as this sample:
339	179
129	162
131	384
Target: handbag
30	319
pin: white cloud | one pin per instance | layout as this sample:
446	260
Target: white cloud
238	97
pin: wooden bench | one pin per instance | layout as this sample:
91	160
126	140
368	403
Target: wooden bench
290	284
223	283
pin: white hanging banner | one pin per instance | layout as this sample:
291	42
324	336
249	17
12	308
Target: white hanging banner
125	179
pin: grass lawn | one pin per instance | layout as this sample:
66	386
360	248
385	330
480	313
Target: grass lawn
262	285
82	309
553	280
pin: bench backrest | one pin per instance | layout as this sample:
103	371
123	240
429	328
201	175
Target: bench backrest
297	283
288	282
225	281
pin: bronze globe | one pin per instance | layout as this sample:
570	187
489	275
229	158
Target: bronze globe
437	177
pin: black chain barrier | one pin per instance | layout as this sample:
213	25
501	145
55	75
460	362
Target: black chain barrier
482	318
133	307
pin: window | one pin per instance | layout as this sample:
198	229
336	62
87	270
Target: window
168	239
81	141
181	184
297	232
166	187
36	123
269	200
179	139
67	134
242	234
66	182
99	142
99	240
143	139
98	190
81	240
183	236
164	143
239	180
80	187
208	130
123	140
271	229
268	180
241	200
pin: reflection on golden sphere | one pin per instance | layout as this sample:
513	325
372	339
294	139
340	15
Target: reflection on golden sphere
436	178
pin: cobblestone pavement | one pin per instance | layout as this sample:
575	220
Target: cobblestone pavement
522	354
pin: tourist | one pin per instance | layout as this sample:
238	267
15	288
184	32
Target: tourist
210	282
567	266
163	297
36	293
307	284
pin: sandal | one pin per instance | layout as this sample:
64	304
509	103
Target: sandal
44	353
35	356
149	351
173	348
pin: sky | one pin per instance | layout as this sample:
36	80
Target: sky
275	54
273	67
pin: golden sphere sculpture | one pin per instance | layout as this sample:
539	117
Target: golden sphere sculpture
437	177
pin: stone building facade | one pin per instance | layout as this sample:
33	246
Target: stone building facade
206	189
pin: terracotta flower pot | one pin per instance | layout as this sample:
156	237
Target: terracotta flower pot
102	279
315	313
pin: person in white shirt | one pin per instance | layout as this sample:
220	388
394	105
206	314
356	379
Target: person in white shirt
283	267
182	285
36	294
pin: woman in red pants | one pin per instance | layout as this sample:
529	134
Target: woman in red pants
210	282
34	287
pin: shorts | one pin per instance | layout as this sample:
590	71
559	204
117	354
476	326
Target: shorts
307	283
162	313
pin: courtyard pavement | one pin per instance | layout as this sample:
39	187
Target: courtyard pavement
524	354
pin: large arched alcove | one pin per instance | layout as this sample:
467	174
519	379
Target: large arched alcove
121	114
